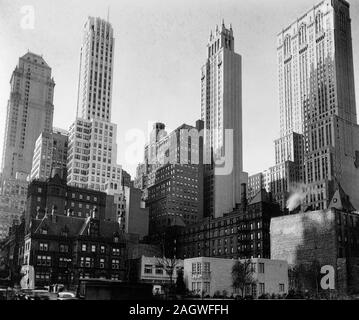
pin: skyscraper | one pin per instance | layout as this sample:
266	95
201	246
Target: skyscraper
221	111
96	70
317	99
29	112
171	178
50	153
92	153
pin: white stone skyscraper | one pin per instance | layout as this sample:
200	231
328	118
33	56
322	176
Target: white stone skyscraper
317	99
96	70
92	152
221	111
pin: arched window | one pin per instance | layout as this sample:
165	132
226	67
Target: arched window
287	46
302	34
319	22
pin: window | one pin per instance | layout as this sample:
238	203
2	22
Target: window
199	268
281	287
261	288
148	268
260	267
102	263
159	270
102	249
84	248
115	264
44	247
88	262
115	251
93	248
64	248
206	267
43	260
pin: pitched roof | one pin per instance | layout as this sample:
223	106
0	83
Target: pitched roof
33	56
75	226
261	196
341	201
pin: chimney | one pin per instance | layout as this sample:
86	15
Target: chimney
53	213
94	212
37	217
244	195
270	196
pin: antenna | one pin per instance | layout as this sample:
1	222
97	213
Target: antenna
108	14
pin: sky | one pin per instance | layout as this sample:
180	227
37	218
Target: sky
159	51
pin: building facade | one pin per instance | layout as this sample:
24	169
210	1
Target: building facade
221	111
63	249
29	112
127	208
152	270
50	153
8	217
172	176
96	70
317	98
92	154
256	183
243	233
55	193
213	276
326	237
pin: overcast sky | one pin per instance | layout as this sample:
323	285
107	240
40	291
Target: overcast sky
160	48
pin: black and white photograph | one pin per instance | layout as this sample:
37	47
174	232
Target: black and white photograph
180	157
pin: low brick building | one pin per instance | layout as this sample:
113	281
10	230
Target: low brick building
64	248
243	233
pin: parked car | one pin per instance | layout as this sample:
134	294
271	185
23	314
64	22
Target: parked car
38	295
65	295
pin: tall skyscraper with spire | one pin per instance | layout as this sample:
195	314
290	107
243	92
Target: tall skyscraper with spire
317	99
96	70
92	153
221	111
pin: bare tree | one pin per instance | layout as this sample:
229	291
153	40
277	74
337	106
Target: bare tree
242	275
168	260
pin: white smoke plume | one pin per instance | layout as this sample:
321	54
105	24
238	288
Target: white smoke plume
297	196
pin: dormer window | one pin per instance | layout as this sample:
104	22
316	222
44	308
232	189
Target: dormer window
44	230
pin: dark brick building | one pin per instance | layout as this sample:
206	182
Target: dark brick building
174	187
44	195
11	252
64	248
243	233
